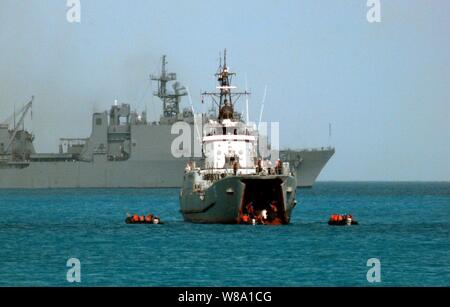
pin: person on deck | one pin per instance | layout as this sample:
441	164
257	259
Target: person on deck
149	218
273	212
235	167
250	210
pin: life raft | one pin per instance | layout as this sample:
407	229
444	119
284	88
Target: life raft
143	220
342	220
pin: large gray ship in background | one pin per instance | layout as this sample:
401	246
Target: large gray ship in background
123	150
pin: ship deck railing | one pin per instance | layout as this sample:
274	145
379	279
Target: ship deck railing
223	170
308	149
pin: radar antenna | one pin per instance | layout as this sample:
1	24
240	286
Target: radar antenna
225	99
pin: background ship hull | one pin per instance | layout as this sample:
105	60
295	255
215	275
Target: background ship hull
150	165
134	174
308	163
99	174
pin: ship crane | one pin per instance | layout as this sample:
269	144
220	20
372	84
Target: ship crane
17	125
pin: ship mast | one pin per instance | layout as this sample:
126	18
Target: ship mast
225	99
171	101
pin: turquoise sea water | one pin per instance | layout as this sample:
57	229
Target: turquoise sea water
405	225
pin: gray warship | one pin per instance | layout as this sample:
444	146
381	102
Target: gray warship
231	184
123	150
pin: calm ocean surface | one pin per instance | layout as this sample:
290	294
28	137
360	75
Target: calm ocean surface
405	225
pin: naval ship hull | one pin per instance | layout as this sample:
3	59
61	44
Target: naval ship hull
163	173
307	163
150	163
223	202
98	174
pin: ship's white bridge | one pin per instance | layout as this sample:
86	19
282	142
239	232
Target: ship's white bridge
229	145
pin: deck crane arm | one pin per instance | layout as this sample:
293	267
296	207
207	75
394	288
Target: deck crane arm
19	123
12	116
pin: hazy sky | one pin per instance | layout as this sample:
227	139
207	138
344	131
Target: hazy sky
383	86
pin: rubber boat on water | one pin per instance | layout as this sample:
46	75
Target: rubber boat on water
342	220
137	219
